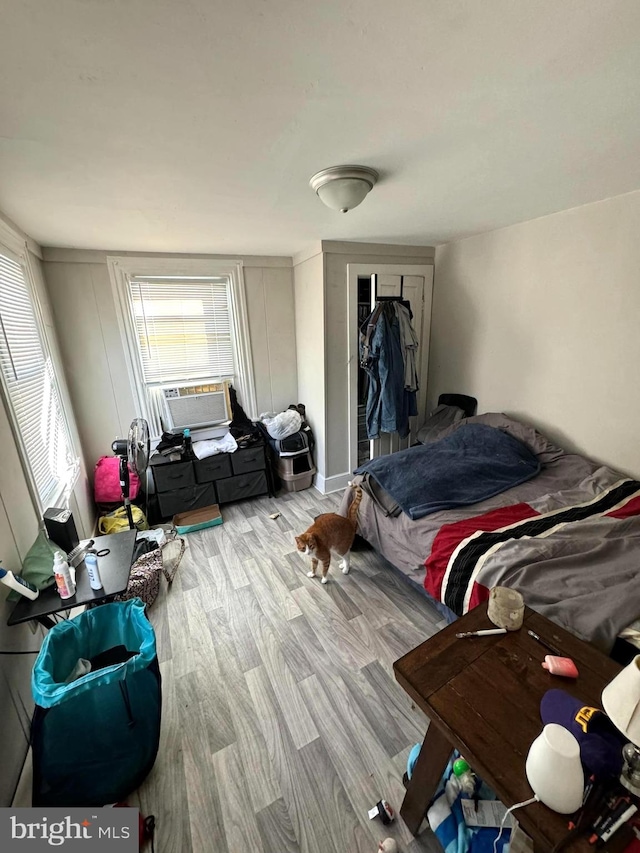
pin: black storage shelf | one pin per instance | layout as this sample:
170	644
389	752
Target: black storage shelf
226	477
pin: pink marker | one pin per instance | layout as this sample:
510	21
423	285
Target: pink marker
560	666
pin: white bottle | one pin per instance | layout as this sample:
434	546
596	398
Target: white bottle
91	562
64	581
19	584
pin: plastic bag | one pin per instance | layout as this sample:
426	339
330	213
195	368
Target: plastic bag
226	444
283	424
117	521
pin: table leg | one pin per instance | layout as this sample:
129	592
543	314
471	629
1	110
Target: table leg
434	755
46	621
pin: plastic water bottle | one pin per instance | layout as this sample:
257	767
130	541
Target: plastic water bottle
91	562
64	581
19	584
188	444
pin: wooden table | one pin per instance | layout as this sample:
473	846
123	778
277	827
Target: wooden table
482	695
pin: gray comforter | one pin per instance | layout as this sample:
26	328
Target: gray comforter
583	600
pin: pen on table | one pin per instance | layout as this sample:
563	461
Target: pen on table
606	835
544	643
484	633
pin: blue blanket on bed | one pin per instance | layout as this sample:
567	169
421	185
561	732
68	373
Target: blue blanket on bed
472	464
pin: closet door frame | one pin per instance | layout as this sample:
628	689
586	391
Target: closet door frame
388	444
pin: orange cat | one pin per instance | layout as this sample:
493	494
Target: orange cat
330	532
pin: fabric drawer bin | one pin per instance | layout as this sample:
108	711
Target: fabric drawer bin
213	468
182	500
242	486
173	475
249	459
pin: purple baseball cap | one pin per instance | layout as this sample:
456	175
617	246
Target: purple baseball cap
600	742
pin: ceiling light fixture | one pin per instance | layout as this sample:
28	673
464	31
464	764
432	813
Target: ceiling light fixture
343	187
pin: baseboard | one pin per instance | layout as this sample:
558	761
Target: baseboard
326	485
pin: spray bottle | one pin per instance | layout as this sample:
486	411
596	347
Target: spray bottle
18	584
64	581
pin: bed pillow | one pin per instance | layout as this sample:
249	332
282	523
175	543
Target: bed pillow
439	420
528	435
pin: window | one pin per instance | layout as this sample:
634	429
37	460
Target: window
30	387
183	321
183	329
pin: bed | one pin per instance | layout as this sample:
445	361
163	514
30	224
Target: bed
568	539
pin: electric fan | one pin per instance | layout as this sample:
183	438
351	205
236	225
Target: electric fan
133	451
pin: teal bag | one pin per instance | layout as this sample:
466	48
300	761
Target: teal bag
95	739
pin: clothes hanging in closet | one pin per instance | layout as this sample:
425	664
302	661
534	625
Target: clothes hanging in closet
387	353
409	343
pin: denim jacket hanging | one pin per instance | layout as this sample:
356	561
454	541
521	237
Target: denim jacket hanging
389	404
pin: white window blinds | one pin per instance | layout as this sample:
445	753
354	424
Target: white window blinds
31	388
183	328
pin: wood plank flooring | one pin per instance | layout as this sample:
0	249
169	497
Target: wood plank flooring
282	722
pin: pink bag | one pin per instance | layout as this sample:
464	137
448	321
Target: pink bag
106	481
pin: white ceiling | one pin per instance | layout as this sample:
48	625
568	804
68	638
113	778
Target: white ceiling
194	125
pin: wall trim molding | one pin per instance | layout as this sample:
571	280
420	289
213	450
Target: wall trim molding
10	231
307	254
53	255
344	247
336	483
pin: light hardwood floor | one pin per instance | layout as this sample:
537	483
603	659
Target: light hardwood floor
282	722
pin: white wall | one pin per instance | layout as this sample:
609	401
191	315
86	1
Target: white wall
270	306
540	320
93	353
308	278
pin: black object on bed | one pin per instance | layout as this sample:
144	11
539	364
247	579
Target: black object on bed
462	401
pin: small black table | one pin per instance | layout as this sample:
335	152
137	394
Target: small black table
114	569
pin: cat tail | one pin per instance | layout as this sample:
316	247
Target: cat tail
352	515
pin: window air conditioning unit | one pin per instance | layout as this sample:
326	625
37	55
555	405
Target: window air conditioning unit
198	405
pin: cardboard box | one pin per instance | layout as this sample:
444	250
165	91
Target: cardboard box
197	519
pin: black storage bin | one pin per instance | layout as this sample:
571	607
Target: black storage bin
173	475
183	500
299	442
249	459
242	486
213	468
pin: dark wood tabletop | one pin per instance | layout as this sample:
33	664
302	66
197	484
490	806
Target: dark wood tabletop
114	568
482	695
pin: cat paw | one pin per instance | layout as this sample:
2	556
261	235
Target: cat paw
342	564
311	574
324	580
345	570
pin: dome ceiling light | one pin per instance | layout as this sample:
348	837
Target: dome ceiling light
343	187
